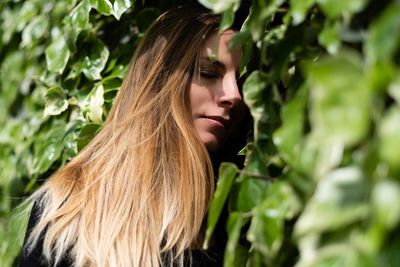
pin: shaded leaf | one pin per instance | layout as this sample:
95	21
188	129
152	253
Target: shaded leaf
86	134
95	59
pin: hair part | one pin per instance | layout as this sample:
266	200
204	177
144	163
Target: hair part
139	191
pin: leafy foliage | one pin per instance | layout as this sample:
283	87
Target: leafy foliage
321	178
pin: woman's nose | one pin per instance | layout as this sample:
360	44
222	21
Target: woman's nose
230	93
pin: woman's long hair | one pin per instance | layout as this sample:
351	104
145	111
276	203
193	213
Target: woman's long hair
140	189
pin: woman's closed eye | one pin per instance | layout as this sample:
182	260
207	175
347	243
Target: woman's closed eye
209	74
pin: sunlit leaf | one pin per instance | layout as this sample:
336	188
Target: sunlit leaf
57	54
56	101
234	226
389	136
120	7
384	38
339	107
219	6
103	6
334	8
96	102
48	146
226	176
385	196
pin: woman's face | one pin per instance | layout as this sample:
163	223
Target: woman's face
216	102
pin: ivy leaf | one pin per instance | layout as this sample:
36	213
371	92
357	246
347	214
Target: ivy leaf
389	136
337	104
334	8
227	19
343	192
253	88
298	10
266	228
219	6
329	37
48	146
120	7
86	134
56	101
77	21
385	197
57	54
103	6
34	31
288	137
95	60
251	192
384	37
227	174
96	102
234	226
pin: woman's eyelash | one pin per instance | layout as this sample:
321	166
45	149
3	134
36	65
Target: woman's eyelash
206	74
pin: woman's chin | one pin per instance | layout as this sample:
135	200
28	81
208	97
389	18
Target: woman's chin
211	142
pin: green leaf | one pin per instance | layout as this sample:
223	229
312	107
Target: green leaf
219	6
86	135
250	193
95	59
25	14
77	21
385	199
103	6
298	10
48	146
336	103
56	101
120	7
338	201
329	37
389	136
288	137
253	88
96	102
227	19
242	39
234	227
260	13
226	176
34	31
267	225
334	8
57	54
384	37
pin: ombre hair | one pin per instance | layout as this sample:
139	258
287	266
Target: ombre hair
138	193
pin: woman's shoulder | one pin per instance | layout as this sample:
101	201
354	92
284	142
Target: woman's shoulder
31	255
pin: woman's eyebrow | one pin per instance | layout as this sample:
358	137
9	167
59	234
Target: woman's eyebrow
215	62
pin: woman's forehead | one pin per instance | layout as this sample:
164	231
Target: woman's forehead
217	47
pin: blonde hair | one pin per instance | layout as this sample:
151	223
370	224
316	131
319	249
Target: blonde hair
139	191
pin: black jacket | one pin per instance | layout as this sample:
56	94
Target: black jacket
213	257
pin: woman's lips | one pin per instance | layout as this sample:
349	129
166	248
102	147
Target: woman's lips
218	121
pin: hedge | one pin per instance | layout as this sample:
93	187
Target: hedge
321	177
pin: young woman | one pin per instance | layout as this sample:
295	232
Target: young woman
137	195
